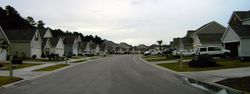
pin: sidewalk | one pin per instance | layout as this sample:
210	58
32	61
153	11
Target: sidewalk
28	73
218	75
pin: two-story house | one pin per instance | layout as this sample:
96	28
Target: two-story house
237	36
27	43
209	35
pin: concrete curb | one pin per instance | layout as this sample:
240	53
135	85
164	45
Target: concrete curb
47	73
235	91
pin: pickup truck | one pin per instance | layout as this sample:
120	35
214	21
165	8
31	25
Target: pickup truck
152	52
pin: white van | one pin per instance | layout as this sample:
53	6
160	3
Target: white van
212	50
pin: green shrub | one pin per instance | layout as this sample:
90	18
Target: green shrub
202	61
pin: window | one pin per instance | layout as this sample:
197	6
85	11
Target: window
211	48
203	49
36	36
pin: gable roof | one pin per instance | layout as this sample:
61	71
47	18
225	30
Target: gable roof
242	15
69	40
189	33
211	27
187	41
54	41
210	38
243	31
20	36
4	35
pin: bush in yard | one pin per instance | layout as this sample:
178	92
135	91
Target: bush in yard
1	66
202	61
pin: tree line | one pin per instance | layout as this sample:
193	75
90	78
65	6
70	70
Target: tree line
11	19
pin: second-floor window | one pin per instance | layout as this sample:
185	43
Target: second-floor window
36	36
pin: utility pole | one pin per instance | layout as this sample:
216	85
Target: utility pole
11	67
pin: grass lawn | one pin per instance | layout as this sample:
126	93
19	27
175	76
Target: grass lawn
222	64
44	60
237	83
160	58
78	61
155	58
24	65
51	68
7	80
77	57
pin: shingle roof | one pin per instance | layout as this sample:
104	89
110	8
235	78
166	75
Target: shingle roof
212	27
187	41
54	41
243	15
69	40
210	38
20	36
42	32
242	31
190	33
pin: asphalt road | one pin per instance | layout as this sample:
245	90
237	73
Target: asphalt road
126	74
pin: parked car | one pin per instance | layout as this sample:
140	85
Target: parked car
168	51
153	52
183	52
213	51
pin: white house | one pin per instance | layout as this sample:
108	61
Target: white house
237	36
4	43
57	46
46	41
24	42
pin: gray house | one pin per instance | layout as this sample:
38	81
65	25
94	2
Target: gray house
70	45
237	36
209	35
24	42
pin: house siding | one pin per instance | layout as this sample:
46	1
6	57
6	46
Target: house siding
245	45
247	22
36	46
60	48
230	36
20	48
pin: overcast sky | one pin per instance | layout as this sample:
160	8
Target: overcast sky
132	21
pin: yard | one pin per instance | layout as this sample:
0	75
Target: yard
7	80
237	83
44	60
222	64
6	66
161	58
51	68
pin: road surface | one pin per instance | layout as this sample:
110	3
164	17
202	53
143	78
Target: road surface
125	74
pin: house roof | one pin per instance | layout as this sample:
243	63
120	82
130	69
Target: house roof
190	33
242	15
69	40
187	41
54	41
243	31
210	38
211	27
42	32
20	36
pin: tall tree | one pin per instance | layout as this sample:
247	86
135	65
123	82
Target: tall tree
159	42
31	21
40	24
